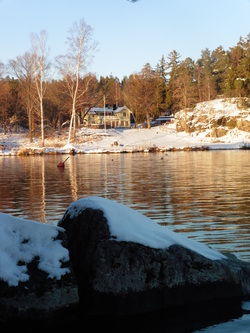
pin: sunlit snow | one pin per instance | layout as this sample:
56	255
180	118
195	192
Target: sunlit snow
22	240
126	224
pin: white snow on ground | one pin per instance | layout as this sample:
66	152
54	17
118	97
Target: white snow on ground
138	139
219	107
128	140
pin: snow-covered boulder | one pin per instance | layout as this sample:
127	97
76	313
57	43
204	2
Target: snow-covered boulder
36	281
125	263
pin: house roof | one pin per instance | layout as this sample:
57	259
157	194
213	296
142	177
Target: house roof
95	110
120	108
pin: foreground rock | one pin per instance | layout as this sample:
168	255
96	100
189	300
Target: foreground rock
123	268
36	281
123	277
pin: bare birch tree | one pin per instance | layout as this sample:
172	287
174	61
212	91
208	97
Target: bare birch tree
4	97
22	66
74	64
40	68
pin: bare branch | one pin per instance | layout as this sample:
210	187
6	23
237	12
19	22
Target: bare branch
22	67
74	64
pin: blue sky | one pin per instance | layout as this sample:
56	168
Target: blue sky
129	35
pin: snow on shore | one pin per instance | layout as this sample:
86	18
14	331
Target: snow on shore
128	140
164	137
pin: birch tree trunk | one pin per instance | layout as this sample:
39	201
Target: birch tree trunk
40	67
74	63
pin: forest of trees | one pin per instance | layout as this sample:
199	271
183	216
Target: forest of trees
30	97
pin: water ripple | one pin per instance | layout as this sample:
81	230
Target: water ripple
205	195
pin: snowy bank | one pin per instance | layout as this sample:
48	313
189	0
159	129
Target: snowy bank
218	124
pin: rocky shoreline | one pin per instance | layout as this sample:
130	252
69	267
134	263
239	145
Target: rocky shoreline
44	151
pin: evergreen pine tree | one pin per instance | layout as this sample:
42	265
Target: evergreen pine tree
185	87
206	83
161	76
220	65
172	66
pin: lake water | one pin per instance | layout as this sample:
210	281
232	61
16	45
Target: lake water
204	195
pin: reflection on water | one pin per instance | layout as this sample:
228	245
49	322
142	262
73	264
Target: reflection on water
203	194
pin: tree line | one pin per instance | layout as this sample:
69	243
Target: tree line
32	98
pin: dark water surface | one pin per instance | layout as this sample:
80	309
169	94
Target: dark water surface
205	195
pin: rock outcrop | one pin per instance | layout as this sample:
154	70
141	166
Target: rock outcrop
218	118
123	277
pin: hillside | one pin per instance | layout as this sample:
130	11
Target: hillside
216	119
